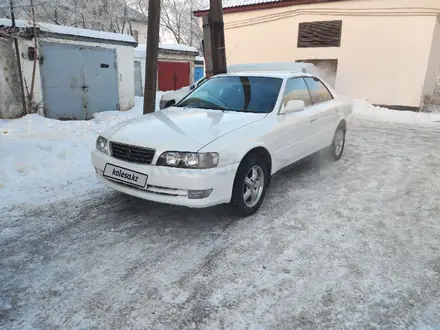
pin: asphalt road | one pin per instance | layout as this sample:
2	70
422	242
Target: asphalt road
351	244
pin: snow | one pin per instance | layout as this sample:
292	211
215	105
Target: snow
72	31
239	3
141	49
352	244
346	245
363	108
44	159
200	58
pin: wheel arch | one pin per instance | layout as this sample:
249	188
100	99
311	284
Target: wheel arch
261	152
343	124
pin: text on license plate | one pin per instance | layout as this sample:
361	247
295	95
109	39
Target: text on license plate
122	174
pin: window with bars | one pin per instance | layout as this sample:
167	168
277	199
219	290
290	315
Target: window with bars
319	34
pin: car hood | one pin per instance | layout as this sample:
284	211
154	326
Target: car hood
179	129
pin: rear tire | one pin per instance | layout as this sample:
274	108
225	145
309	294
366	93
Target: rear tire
250	186
338	143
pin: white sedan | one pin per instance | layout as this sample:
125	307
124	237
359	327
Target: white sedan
223	142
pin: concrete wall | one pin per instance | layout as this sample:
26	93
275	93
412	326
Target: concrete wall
168	57
10	90
385	45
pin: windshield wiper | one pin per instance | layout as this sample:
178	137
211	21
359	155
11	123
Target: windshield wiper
208	107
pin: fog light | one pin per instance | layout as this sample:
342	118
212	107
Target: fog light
199	194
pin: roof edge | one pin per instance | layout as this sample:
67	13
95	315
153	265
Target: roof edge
267	5
72	37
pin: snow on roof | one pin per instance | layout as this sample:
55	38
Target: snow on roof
200	58
240	3
69	30
140	50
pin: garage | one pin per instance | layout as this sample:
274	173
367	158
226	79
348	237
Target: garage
78	90
77	73
173	75
175	67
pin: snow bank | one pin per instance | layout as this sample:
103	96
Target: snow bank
68	30
44	159
365	109
141	49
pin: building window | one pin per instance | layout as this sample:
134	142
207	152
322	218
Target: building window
319	34
136	35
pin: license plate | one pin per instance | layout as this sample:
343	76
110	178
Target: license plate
122	174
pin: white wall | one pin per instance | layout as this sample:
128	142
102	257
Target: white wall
142	31
433	67
384	52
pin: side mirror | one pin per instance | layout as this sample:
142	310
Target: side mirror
193	86
170	104
294	106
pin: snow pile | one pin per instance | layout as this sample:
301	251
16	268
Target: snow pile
43	159
364	109
69	30
141	49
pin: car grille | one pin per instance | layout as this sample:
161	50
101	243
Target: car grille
132	154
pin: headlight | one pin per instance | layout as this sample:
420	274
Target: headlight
188	159
102	144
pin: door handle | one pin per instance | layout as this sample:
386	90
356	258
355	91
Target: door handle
337	110
312	120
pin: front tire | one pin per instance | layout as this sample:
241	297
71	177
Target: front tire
250	186
338	143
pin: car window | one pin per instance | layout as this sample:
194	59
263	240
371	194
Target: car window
318	91
296	89
235	93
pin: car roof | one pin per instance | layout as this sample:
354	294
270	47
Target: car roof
269	74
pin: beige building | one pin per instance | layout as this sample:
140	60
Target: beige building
387	51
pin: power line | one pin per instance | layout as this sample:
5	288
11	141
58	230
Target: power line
331	12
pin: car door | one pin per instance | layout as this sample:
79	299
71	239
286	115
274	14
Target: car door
296	131
325	114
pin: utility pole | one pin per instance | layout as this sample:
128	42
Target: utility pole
207	47
152	54
217	37
17	55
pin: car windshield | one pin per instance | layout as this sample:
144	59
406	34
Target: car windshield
235	93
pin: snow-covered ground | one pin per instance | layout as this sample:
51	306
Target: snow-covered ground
43	160
352	244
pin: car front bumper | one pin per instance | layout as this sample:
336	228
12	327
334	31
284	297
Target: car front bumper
171	185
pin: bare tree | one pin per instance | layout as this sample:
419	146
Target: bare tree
179	21
103	15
